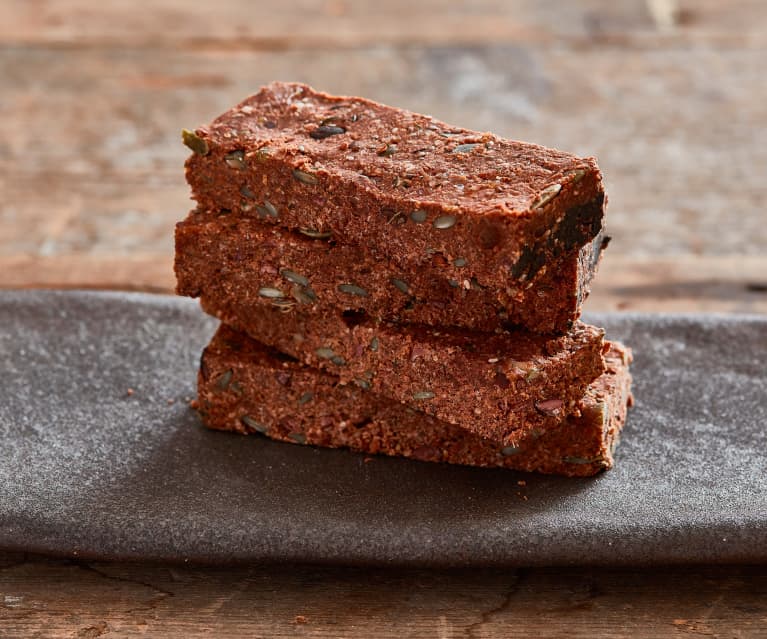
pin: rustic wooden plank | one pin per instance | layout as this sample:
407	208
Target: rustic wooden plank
689	284
90	158
55	598
333	23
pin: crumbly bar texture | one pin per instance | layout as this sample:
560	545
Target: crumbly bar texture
498	385
272	266
248	388
402	186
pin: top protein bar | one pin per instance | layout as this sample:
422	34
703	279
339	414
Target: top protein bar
402	186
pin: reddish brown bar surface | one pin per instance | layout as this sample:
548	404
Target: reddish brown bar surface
332	278
498	385
404	187
247	388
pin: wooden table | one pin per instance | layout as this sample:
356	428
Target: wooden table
670	96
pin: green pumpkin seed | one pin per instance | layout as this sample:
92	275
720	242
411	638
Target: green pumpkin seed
306	397
419	217
195	142
353	289
304	177
252	423
294	277
222	383
401	286
508	451
465	148
423	395
325	352
299	438
459	262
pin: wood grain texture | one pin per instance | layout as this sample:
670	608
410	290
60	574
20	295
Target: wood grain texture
91	160
343	23
55	599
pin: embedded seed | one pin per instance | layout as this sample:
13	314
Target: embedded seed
423	395
402	286
338	360
577	175
374	344
263	154
532	374
266	291
353	289
195	142
304	295
246	192
464	148
252	423
304	177
222	383
454	283
306	397
270	209
316	235
235	159
325	131
507	451
362	383
419	217
444	222
325	353
459	262
545	196
294	277
299	438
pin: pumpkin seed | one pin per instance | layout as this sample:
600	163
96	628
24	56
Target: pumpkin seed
252	423
465	148
285	305
304	177
222	383
195	142
299	438
267	209
419	217
423	395
402	286
246	192
316	235
444	222
362	383
294	277
338	360
508	451
386	150
545	196
306	397
304	295
325	352
353	289
325	131
459	262
374	344
266	291
235	159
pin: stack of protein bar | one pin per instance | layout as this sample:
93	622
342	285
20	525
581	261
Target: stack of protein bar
394	285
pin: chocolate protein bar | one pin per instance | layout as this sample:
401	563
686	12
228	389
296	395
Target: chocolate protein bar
288	270
404	187
248	388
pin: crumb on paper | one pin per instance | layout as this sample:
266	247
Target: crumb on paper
300	619
130	392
